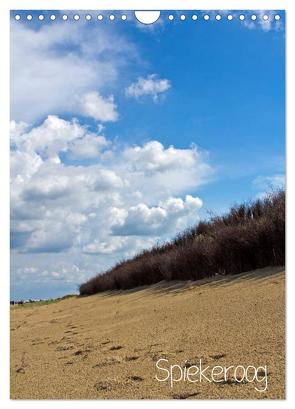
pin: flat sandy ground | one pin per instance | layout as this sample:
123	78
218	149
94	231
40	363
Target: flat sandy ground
107	345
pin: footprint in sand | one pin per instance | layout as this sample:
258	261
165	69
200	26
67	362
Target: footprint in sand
185	395
132	358
54	342
103	386
135	378
23	365
217	356
155	355
79	352
72	327
82	353
113	360
231	382
116	347
70	333
64	348
195	361
53	321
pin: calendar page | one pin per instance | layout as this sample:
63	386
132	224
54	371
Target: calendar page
147	204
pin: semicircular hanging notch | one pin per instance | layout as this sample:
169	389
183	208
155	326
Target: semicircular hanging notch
148	16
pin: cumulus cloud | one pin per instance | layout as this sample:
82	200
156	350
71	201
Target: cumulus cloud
95	106
108	246
90	146
49	77
55	136
55	239
74	204
158	172
152	157
151	86
51	137
69	210
170	214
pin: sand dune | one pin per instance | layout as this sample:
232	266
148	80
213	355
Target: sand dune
107	345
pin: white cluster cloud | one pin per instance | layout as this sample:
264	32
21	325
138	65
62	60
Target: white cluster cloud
108	246
151	86
153	157
165	171
171	215
126	198
55	136
95	106
49	77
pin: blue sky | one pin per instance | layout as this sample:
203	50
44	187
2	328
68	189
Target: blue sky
123	135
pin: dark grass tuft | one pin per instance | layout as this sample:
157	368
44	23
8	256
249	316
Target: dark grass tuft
248	237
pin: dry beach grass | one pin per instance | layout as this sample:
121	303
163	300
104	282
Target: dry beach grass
249	236
107	345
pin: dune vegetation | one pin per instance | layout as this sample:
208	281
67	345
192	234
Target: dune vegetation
248	237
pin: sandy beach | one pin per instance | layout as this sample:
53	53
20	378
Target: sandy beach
106	346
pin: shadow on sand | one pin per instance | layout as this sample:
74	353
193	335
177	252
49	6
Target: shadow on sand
177	287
